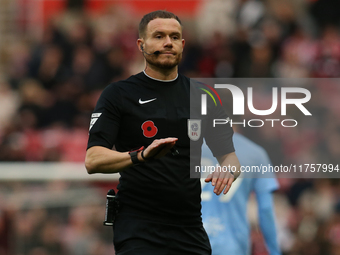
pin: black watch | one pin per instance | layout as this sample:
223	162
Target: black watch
134	155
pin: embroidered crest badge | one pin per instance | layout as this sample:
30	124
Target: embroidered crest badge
194	129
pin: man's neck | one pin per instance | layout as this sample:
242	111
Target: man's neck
161	74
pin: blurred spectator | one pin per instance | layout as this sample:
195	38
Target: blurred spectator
86	69
327	61
9	104
50	69
297	56
18	58
261	61
216	16
250	13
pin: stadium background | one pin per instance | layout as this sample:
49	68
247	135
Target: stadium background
56	57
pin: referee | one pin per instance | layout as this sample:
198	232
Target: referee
144	118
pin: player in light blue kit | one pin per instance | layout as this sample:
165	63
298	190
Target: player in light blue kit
225	217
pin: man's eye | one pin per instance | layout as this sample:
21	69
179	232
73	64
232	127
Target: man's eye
158	36
175	38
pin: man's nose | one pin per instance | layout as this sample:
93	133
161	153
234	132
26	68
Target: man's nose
168	42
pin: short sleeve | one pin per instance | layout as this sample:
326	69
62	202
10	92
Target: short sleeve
219	138
106	118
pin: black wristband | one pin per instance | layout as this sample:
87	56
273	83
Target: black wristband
134	155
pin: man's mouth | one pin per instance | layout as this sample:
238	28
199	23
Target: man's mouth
168	53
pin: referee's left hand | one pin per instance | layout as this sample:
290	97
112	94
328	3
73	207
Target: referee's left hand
221	180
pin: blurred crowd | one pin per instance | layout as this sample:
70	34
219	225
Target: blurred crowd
53	218
52	83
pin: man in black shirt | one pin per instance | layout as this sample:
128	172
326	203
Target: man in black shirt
143	118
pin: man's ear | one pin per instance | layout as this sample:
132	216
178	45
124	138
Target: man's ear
140	43
183	44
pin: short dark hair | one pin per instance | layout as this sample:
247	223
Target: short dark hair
154	15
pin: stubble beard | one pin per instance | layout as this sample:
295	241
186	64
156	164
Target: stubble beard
166	64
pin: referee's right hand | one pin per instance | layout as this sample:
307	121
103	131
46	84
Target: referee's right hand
158	148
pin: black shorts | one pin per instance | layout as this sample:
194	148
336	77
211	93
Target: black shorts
144	237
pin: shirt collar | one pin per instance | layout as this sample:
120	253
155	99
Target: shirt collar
159	79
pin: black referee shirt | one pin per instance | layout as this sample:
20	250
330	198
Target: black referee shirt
132	113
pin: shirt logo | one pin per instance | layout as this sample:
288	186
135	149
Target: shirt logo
194	129
94	118
146	101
